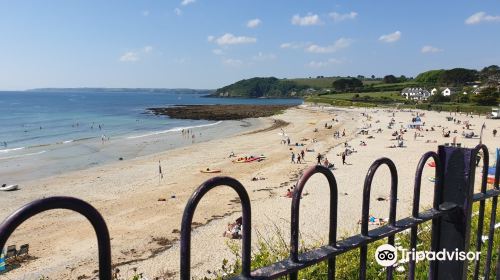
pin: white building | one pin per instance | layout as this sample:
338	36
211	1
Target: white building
415	93
447	92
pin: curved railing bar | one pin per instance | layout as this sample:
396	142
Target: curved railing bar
187	219
494	202
332	236
366	208
31	209
480	222
416	204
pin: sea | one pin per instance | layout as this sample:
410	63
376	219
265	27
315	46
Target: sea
49	132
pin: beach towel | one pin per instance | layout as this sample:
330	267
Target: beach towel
2	261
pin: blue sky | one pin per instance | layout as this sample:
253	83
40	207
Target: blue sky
208	44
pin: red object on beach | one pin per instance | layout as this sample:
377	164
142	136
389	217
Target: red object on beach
491	180
432	164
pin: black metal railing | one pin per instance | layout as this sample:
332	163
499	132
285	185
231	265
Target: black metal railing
451	217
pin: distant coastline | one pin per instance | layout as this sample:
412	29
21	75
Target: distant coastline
138	90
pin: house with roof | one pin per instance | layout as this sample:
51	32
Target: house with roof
415	93
447	92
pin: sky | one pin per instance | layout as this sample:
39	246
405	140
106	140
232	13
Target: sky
206	44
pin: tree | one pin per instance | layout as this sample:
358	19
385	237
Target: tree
373	77
457	77
490	74
347	84
438	98
429	77
488	96
390	79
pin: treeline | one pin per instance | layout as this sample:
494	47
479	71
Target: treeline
458	78
261	87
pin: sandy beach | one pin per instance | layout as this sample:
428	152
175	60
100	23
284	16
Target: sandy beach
143	212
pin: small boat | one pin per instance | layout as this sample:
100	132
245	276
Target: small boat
208	170
6	187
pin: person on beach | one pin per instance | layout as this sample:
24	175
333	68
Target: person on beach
160	173
293	158
234	230
288	141
494	133
298	158
343	158
318	157
302	153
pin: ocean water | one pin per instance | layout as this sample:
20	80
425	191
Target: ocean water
46	133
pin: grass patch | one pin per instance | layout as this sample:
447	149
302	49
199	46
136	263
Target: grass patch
276	248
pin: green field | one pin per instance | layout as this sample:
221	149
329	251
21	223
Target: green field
388	98
394	95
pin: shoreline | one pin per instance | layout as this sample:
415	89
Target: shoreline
53	160
127	193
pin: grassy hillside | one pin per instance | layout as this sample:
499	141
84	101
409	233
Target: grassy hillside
315	82
261	88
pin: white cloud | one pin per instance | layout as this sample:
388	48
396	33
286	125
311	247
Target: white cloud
218	51
232	62
430	49
263	56
341	17
320	64
187	2
178	11
390	38
293	45
145	13
253	23
481	17
210	38
341	43
230	39
309	19
129	57
133	56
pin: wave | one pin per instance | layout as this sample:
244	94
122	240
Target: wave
175	129
23	155
11	150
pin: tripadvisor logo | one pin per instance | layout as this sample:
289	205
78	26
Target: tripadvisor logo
387	255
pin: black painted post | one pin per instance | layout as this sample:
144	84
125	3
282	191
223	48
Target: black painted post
458	187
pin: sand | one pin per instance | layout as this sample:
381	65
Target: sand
144	230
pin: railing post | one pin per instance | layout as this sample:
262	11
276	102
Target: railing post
454	229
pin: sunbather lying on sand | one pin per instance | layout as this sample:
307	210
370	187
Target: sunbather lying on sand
375	221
